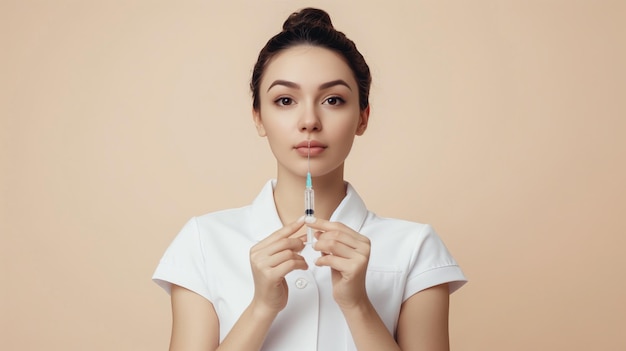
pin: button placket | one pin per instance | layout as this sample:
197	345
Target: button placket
300	316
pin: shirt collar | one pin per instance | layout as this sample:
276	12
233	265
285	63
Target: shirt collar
351	211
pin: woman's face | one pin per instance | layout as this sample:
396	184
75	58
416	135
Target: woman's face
309	93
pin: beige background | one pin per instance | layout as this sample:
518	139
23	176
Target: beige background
500	122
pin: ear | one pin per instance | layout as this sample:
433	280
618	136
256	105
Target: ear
256	117
364	118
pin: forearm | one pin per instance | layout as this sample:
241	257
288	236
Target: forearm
270	259
249	331
368	330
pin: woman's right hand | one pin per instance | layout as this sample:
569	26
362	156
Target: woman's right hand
271	259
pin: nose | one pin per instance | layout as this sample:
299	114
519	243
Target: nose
309	120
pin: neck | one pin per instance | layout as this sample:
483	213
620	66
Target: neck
289	194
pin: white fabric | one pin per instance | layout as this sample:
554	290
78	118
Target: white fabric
210	256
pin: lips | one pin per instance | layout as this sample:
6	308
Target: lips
316	148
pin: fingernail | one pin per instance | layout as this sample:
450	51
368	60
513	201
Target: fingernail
309	219
301	219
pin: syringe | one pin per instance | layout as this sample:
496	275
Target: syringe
309	198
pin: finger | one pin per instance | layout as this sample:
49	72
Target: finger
326	226
336	237
280	257
259	252
347	267
290	265
278	272
284	232
343	244
348	247
298	235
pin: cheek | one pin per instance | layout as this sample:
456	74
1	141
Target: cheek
274	125
345	126
343	135
277	134
276	131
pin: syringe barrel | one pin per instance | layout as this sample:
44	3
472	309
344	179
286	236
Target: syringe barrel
309	202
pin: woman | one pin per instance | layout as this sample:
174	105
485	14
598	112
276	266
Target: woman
244	279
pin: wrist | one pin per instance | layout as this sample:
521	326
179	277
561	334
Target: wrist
260	311
362	307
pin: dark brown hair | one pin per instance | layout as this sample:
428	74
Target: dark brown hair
313	27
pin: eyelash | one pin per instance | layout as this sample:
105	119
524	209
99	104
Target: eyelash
339	101
281	101
286	101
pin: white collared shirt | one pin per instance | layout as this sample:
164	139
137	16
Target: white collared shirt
210	256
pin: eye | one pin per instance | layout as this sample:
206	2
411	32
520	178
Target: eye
334	101
284	101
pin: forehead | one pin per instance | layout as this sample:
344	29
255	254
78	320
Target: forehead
308	66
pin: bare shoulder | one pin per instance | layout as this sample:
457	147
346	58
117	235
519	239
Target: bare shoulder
423	322
195	325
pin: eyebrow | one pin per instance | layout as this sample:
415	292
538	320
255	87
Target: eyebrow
297	86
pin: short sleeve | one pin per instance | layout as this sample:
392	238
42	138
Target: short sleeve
431	265
183	263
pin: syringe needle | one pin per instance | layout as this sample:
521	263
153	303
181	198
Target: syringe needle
309	198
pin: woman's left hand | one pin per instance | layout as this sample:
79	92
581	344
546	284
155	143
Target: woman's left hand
347	253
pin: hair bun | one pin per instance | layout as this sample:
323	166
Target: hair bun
308	17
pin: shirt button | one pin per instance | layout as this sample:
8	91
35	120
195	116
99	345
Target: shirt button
301	283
